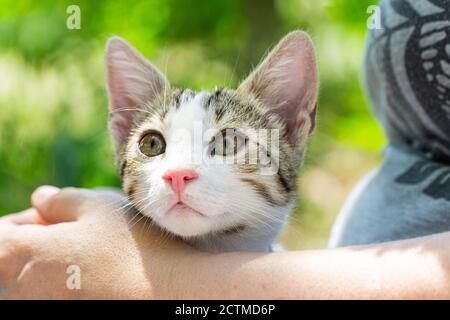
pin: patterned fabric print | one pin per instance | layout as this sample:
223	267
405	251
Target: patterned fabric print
408	79
437	188
411	96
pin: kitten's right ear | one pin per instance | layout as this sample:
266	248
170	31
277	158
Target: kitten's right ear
287	83
133	82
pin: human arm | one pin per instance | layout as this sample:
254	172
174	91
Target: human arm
411	269
129	259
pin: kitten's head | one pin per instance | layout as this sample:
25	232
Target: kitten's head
212	161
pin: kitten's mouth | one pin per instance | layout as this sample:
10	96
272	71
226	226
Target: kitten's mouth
184	209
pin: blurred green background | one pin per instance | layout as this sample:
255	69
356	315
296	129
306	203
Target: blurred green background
53	106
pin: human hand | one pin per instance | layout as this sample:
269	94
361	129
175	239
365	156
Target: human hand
117	254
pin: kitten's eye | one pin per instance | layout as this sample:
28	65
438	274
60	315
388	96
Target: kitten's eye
152	144
227	143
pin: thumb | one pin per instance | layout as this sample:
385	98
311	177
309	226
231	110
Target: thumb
70	204
58	205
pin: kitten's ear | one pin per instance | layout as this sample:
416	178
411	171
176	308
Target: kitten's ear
287	83
133	82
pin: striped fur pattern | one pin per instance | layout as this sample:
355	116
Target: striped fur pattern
231	206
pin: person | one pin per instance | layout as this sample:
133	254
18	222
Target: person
117	257
407	77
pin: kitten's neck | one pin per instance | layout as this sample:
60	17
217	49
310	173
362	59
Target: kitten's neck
228	243
251	239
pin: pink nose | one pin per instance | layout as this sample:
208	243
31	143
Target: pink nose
179	178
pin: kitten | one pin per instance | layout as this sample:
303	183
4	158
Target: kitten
173	146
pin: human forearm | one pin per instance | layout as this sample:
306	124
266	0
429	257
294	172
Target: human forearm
417	268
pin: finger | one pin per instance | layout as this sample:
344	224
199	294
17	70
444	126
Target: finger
29	216
70	204
42	194
56	206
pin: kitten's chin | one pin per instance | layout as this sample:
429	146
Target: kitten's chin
186	222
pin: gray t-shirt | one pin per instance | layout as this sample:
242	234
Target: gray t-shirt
407	78
408	196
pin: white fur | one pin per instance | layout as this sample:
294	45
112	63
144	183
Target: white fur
223	200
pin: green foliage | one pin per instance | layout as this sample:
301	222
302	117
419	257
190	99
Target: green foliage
53	107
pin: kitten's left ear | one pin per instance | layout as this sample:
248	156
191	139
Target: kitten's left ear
133	82
287	83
